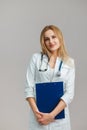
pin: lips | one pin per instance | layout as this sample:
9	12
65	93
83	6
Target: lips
51	45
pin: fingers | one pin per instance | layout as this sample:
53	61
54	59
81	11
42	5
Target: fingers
45	122
44	118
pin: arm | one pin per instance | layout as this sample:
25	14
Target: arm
69	93
32	103
30	85
61	105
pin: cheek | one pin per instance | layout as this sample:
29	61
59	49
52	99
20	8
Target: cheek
58	43
46	44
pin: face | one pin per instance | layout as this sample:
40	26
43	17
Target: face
51	41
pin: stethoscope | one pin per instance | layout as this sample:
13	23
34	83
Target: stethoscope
43	70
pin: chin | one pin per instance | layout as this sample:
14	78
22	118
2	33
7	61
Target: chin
52	50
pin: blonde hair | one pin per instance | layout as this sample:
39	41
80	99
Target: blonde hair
61	51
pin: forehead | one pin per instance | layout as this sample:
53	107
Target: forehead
49	33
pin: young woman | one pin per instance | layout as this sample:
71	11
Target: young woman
45	67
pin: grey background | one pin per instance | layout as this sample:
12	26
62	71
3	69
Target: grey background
21	22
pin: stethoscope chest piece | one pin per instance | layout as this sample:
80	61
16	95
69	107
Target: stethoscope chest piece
58	74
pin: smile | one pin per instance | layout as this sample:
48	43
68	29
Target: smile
51	45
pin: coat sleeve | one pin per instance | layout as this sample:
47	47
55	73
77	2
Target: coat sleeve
69	86
30	76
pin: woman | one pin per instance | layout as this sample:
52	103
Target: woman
44	67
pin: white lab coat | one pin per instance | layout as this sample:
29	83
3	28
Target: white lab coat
35	76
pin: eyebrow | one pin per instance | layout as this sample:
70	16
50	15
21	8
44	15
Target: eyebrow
51	36
46	37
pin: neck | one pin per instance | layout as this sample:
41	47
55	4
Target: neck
54	54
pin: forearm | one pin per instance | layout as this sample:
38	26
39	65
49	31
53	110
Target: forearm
61	105
32	102
49	117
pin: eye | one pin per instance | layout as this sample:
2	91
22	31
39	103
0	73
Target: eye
53	36
46	39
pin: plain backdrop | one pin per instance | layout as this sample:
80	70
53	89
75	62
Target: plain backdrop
21	22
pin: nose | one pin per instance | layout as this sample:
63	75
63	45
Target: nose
51	40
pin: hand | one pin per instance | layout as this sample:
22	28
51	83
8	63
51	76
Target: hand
45	118
38	115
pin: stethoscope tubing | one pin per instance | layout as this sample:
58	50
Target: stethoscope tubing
59	69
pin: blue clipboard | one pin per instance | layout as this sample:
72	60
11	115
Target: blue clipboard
48	95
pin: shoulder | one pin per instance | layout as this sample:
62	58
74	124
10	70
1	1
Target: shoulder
70	62
33	59
35	56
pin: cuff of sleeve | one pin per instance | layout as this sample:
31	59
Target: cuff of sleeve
29	95
65	100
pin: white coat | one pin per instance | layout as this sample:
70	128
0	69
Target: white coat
35	76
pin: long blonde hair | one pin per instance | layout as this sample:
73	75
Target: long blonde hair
61	51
